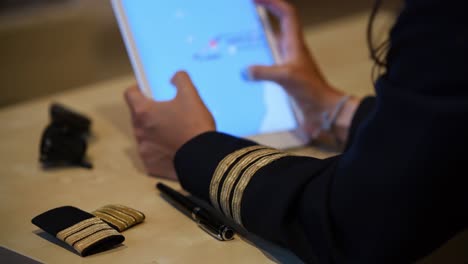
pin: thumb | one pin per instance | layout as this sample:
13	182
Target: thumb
275	73
185	87
136	101
133	97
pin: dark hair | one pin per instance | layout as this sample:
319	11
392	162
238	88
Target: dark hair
377	52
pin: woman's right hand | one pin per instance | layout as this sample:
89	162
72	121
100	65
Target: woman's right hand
299	74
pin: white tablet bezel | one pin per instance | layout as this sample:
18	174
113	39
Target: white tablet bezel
281	140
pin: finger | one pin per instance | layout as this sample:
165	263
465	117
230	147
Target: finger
130	98
274	73
291	32
137	103
185	87
139	134
133	97
278	8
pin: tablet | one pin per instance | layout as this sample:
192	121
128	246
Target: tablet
215	41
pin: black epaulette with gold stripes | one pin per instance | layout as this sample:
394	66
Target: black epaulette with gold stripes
86	233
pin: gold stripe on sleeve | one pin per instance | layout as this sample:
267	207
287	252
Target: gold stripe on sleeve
244	181
221	170
234	173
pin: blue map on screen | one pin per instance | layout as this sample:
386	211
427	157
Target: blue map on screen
215	41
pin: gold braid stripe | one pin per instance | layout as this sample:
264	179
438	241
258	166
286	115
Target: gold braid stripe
77	227
121	226
139	216
119	215
233	175
85	243
221	170
244	181
86	232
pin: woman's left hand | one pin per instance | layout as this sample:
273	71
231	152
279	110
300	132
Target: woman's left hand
161	128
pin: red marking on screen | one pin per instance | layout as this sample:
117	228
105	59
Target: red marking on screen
213	43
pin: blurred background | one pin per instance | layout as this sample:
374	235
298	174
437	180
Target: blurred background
47	46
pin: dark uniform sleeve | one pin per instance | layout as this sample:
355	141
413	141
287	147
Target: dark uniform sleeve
397	192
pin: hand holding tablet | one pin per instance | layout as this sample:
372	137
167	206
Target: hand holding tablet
255	107
161	128
215	42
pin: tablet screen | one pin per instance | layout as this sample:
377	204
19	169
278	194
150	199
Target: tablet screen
214	41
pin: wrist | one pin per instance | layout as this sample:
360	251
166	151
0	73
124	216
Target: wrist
342	124
336	120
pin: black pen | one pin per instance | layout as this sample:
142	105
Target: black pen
207	221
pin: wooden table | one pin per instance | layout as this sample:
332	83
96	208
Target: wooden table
167	236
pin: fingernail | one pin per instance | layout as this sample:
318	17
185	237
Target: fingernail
247	74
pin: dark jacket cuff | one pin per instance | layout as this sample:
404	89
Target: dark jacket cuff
196	160
362	113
